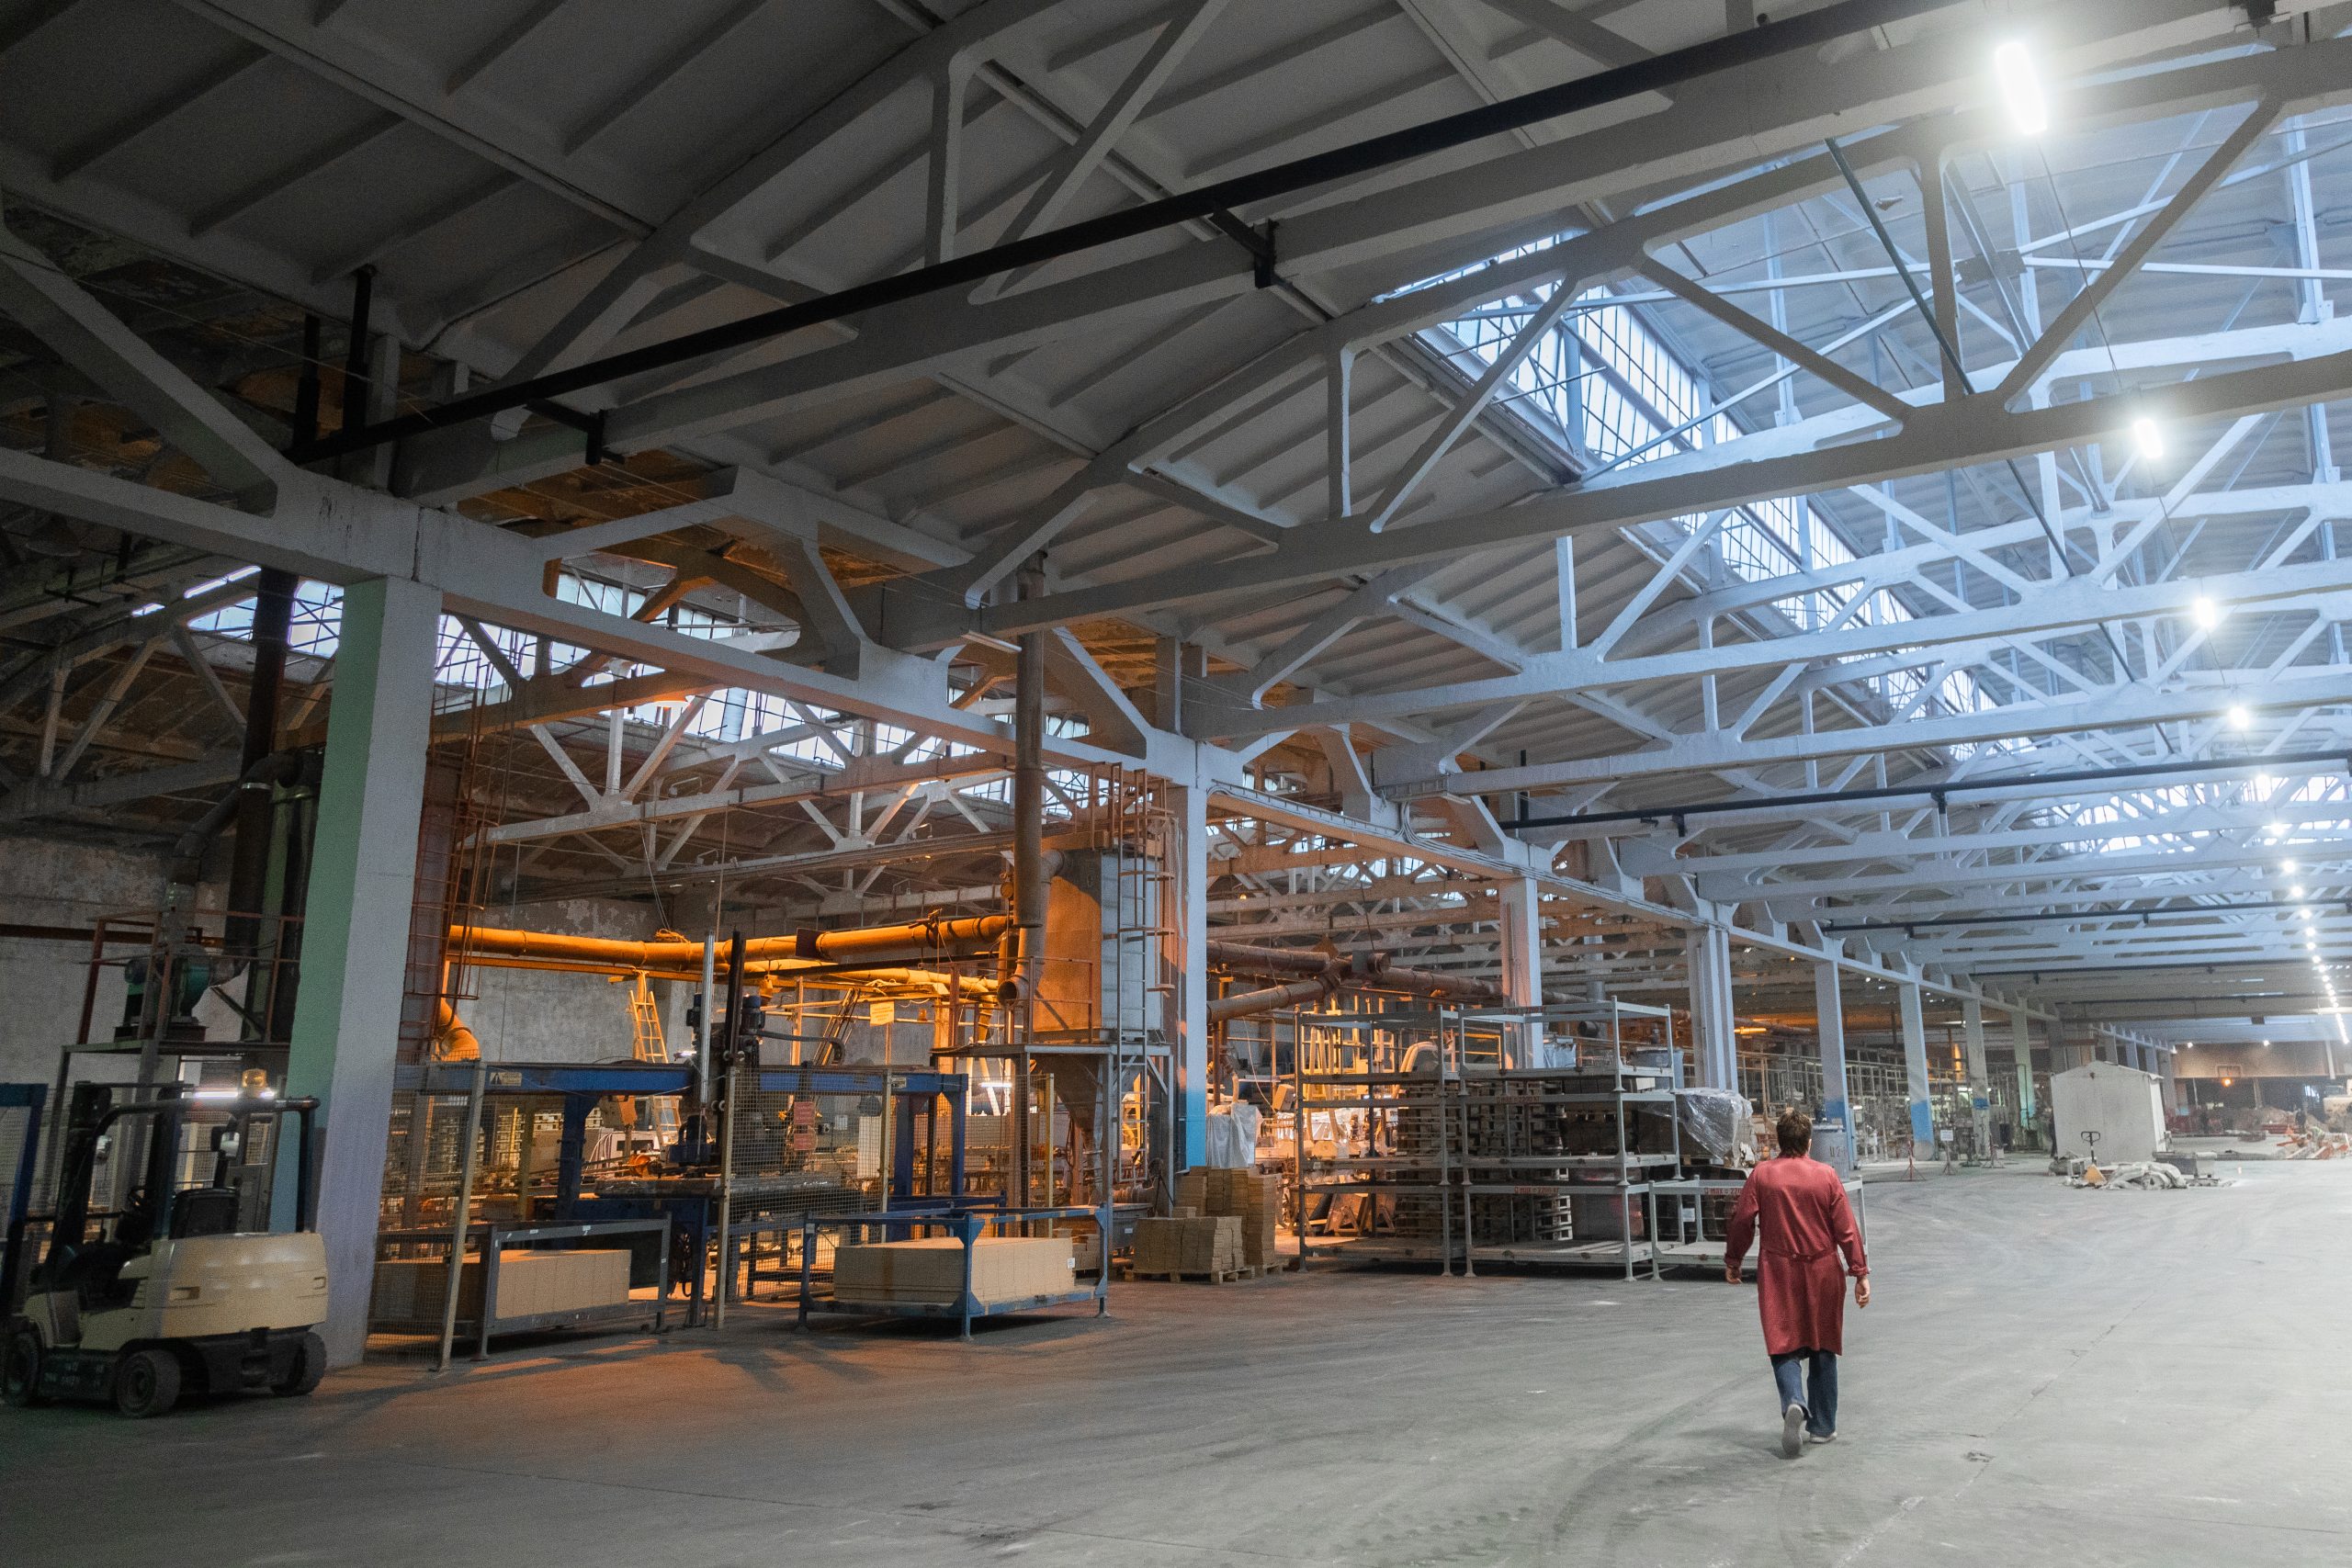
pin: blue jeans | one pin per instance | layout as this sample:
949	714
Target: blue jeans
1818	1368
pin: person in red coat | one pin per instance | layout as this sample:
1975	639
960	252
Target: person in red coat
1800	1205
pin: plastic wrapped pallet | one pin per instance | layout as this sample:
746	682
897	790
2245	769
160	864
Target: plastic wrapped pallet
1717	1124
1233	1136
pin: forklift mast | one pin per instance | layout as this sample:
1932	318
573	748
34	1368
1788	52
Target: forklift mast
85	1117
92	1113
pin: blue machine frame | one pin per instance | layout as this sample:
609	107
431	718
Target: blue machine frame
31	1098
966	1224
695	1215
494	1240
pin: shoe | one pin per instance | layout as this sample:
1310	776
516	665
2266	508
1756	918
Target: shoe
1821	1436
1791	1431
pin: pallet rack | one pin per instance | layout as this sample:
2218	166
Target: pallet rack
1486	1131
1351	1088
1526	1156
1696	1208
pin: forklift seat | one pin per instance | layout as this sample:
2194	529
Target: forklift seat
92	1273
205	1211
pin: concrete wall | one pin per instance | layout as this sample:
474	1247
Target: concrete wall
520	1015
2282	1059
536	1015
48	882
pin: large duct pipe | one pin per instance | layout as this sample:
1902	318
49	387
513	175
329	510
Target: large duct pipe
1360	971
453	1042
249	865
1024	963
1248	1004
1024	956
1254	960
1374	970
933	938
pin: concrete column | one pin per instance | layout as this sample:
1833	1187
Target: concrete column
1523	955
1915	1071
354	938
1980	1080
1190	933
2065	1058
2022	1047
1715	1054
1829	1026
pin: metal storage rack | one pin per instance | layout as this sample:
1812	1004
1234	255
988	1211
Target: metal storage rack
1385	1126
1692	1236
1470	1113
1515	1127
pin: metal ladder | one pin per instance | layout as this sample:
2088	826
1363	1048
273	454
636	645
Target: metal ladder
647	1044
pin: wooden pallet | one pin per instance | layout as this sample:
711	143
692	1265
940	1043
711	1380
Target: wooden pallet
1215	1277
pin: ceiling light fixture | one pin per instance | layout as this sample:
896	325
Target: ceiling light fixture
2020	89
2205	613
2239	717
2146	439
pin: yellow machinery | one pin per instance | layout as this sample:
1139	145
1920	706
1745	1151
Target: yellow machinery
185	1287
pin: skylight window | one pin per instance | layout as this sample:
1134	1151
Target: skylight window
1617	396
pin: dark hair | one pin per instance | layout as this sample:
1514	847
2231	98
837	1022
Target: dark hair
1794	1129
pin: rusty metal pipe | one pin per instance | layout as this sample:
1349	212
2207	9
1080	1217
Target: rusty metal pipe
1254	960
1248	1004
1360	971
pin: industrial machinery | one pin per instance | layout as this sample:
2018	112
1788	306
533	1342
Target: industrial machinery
183	1286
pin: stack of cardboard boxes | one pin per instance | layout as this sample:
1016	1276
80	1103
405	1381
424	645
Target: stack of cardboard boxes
1223	1222
1188	1244
1257	1202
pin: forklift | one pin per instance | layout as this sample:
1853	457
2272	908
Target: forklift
175	1293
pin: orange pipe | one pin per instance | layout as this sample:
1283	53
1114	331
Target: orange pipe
452	1041
916	941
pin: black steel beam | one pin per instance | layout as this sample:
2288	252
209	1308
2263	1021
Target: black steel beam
1935	792
2143	916
1656	74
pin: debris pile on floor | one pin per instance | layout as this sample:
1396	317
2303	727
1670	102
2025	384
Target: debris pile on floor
2314	1145
2133	1173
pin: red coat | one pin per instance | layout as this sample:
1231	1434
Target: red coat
1800	1289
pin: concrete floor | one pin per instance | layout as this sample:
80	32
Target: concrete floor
2048	1376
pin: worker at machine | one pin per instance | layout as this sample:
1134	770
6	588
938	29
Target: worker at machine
1800	1205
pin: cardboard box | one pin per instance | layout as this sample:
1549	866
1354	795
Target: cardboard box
1256	1201
1191	1190
1207	1244
531	1284
931	1269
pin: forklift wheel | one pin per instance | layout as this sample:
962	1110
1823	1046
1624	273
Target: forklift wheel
310	1366
20	1373
147	1383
